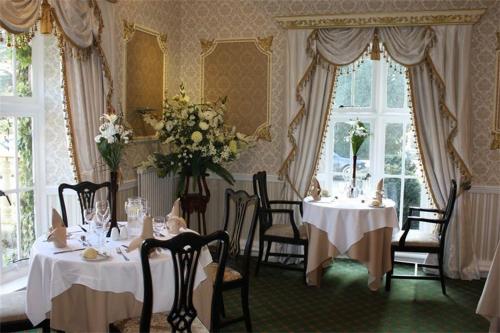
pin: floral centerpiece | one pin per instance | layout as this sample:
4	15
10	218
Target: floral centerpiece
357	135
197	139
111	141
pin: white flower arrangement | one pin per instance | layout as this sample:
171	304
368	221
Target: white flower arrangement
112	138
357	135
197	138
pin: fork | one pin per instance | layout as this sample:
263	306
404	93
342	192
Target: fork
119	251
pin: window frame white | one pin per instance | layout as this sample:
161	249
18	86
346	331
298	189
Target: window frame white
34	107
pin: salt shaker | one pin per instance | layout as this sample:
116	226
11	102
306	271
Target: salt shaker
124	233
115	234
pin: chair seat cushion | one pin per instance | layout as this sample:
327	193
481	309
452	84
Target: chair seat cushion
417	238
159	324
12	306
229	273
285	230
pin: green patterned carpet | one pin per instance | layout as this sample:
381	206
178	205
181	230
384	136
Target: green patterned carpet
280	302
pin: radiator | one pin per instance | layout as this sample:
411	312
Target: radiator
159	192
485	213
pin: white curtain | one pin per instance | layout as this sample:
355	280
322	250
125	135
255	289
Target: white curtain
428	52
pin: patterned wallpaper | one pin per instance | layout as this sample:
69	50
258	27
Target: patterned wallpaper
57	164
224	19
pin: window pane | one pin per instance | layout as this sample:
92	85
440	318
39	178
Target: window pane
393	149
27	222
411	197
6	71
7	154
341	148
8	226
392	190
25	151
23	71
396	87
412	157
343	91
363	85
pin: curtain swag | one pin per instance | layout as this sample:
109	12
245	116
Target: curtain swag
78	26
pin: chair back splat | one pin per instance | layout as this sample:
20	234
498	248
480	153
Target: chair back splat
86	195
185	249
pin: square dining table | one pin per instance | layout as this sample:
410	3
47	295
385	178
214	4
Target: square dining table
78	295
349	226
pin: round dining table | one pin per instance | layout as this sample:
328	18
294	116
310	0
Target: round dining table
80	295
349	226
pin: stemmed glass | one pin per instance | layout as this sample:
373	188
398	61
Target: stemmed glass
158	225
102	218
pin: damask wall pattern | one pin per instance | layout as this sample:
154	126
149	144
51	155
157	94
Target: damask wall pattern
231	19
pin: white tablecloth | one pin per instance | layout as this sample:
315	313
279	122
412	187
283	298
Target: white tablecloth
347	220
489	303
51	274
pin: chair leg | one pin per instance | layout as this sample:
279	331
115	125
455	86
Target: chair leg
388	275
261	252
246	308
305	262
269	243
441	273
222	307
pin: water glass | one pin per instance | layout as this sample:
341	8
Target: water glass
158	224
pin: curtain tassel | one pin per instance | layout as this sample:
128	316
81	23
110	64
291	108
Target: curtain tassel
375	53
46	19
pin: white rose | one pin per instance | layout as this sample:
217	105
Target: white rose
203	125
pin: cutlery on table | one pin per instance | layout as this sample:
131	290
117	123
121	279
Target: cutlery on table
73	250
119	251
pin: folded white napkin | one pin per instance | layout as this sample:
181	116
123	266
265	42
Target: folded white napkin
315	189
147	232
377	200
58	231
174	220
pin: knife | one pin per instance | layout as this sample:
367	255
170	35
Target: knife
73	250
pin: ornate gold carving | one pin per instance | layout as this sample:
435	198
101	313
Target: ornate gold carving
162	42
265	43
495	143
498	41
206	45
264	133
128	30
466	16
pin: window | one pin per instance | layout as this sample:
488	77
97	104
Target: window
375	93
21	116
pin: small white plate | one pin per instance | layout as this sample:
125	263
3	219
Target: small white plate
100	257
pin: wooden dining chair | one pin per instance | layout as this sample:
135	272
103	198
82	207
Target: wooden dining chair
270	232
413	240
185	249
86	194
240	213
13	316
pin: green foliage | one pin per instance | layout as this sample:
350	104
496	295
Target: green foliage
111	153
23	62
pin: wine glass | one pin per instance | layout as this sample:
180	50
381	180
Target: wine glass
88	215
158	224
102	217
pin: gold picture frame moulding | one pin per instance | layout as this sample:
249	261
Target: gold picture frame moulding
241	70
144	77
495	141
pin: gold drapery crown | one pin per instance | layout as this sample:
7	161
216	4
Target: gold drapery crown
46	19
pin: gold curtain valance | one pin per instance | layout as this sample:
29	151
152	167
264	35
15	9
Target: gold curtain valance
382	19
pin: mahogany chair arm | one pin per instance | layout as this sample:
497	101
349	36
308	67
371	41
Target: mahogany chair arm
423	209
288	202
